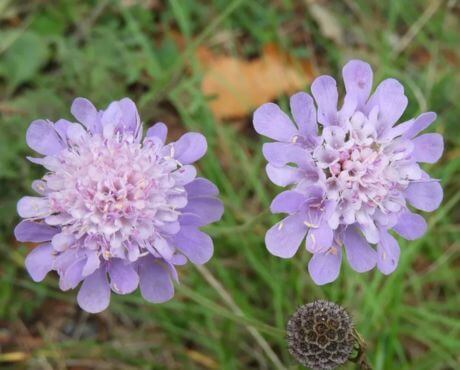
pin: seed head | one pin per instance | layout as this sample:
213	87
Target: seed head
320	335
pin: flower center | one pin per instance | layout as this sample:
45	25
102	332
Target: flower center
363	173
360	170
108	193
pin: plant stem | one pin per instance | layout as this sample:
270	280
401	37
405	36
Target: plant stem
227	298
360	359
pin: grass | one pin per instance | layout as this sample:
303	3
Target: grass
232	313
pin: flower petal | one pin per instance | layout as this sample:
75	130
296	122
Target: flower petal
62	241
178	259
269	120
40	261
324	90
325	267
94	294
204	210
154	281
43	138
120	116
184	175
130	118
370	231
348	108
334	136
283	176
29	207
284	238
61	126
85	112
280	154
389	97
288	201
361	256
190	147
72	275
357	77
319	239
196	245
419	124
28	231
110	120
164	248
304	113
410	225
159	130
76	134
170	228
399	130
428	148
92	263
201	187
123	278
425	195
387	253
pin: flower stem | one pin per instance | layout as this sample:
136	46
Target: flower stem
360	359
227	298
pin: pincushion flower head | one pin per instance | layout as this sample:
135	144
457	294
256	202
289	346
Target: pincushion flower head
353	173
115	210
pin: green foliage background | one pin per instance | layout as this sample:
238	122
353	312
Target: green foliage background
53	51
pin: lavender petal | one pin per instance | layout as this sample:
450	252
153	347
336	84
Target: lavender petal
94	294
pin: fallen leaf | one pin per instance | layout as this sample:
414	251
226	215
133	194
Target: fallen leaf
236	86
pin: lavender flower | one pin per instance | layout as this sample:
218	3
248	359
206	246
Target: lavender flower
351	178
115	210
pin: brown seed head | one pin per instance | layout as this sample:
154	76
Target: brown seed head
320	335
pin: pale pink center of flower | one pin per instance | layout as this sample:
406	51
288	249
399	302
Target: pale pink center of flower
363	172
110	194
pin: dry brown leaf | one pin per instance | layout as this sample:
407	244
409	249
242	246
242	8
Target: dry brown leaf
236	86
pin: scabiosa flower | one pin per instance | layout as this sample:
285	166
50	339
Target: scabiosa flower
353	177
320	335
115	210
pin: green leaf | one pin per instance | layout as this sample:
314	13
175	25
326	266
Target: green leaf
24	58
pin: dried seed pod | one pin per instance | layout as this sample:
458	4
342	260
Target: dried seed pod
320	335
